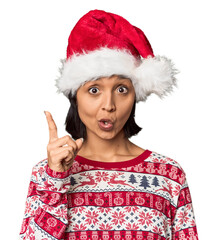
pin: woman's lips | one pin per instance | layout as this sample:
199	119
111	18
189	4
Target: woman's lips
105	127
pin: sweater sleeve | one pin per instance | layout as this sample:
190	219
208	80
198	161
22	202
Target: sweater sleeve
45	215
183	222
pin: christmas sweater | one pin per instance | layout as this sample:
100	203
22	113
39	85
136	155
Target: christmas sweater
146	197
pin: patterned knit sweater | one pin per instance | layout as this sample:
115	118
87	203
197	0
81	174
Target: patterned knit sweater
146	197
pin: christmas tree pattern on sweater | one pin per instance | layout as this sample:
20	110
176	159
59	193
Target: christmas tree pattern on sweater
146	197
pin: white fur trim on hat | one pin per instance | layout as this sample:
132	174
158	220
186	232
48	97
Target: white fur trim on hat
149	75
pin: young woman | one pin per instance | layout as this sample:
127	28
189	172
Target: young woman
106	187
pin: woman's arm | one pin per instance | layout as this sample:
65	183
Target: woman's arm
45	213
184	226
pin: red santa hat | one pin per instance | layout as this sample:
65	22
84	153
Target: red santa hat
102	44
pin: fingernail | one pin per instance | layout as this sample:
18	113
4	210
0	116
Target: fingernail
45	113
82	139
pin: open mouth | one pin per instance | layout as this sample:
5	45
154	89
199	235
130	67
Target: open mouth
105	125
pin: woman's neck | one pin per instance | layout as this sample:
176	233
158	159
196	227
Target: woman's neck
111	150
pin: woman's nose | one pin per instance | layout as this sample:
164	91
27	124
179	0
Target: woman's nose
108	102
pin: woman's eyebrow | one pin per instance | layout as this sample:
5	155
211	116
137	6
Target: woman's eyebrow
91	83
118	79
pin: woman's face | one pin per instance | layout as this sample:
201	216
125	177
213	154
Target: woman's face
107	97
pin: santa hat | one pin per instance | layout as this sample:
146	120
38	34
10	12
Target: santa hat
102	44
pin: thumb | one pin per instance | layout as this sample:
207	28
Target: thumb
79	143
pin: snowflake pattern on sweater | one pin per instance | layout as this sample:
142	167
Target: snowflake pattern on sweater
146	197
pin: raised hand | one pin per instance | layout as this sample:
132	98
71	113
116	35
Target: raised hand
60	157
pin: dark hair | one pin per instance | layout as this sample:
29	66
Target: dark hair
77	129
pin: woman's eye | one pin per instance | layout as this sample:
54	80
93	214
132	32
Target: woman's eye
125	88
92	88
95	91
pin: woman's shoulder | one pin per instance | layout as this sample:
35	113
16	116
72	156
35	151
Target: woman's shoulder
165	166
40	164
157	157
163	159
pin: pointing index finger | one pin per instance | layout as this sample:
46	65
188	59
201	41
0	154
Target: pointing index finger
52	126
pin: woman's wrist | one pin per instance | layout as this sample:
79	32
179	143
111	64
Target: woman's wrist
55	173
